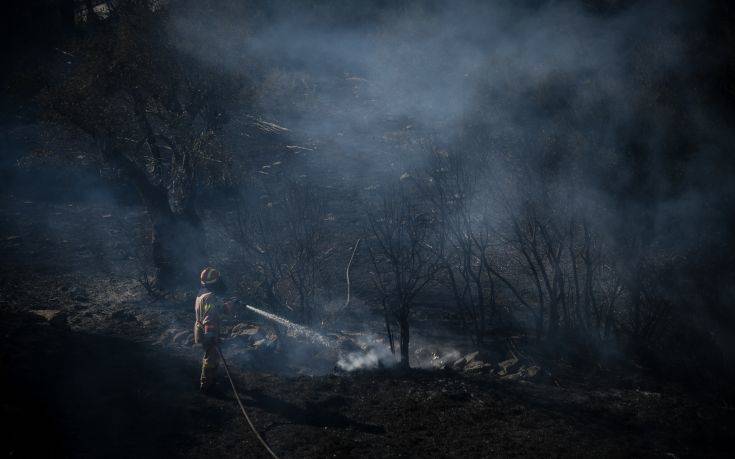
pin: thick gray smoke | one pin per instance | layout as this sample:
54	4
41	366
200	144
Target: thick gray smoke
583	108
418	69
520	83
590	101
373	353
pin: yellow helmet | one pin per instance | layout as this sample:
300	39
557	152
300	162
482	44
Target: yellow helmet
209	276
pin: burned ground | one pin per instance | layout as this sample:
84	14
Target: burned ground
89	369
539	194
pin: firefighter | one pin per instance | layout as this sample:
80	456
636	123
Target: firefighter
208	309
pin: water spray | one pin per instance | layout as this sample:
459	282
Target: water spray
371	355
297	329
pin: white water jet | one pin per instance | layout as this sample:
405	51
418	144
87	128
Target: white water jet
297	329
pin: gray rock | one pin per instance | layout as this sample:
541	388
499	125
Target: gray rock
507	365
471	357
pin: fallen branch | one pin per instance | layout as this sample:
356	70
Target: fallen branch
297	147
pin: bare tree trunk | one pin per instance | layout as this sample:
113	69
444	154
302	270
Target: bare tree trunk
405	339
177	240
584	315
477	278
388	330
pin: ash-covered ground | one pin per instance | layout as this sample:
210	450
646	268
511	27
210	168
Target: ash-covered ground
538	193
92	367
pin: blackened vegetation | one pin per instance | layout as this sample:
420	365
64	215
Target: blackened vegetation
152	116
403	262
533	180
283	234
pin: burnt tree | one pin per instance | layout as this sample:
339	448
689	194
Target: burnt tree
463	239
150	114
286	241
403	260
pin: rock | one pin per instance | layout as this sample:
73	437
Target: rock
522	374
533	371
477	366
507	365
268	342
471	357
47	314
243	329
463	361
459	364
55	317
515	376
470	362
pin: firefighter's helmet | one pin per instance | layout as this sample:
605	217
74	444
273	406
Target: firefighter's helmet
209	276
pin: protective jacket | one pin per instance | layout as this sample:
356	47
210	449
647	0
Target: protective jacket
208	309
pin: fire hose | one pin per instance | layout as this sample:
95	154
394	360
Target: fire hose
242	407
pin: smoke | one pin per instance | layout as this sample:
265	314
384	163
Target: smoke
374	353
426	68
599	106
592	109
